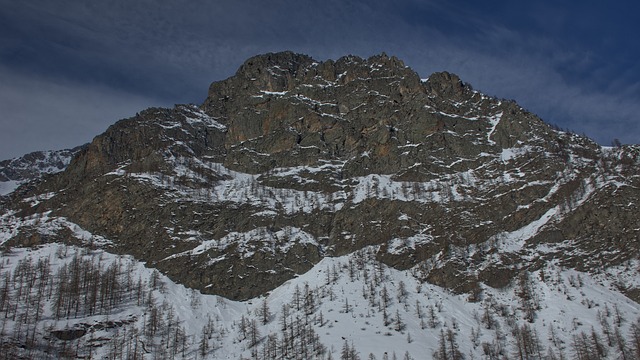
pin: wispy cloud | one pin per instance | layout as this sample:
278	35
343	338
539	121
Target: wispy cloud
43	114
531	70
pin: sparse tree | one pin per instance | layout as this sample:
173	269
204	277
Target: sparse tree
348	352
597	347
617	316
432	318
528	297
203	345
264	312
621	345
398	323
254	333
347	308
606	327
385	296
243	327
448	348
402	291
527	343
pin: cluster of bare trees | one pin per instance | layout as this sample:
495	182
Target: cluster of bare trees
85	287
23	294
300	318
448	348
296	338
611	343
528	297
34	295
526	343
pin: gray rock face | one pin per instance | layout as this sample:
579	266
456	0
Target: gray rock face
292	159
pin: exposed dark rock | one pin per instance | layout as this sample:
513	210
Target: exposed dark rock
69	334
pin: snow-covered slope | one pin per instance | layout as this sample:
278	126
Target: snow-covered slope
344	303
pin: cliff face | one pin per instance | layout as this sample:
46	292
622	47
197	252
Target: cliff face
291	160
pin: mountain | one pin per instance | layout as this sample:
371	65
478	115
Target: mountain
17	171
292	163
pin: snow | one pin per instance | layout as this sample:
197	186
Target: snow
259	239
409	145
493	121
450	115
313	102
45	224
443	190
200	117
265	213
567	305
514	241
173	125
297	170
512	153
49	162
7	187
241	188
35	200
398	246
569	301
193	315
275	93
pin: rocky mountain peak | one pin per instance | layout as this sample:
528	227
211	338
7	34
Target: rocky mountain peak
305	110
284	71
274	71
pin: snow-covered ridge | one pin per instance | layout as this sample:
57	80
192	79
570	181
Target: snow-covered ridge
17	171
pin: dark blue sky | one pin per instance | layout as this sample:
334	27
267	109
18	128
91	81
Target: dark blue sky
70	68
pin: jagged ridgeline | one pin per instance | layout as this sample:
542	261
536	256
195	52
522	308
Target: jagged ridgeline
291	160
